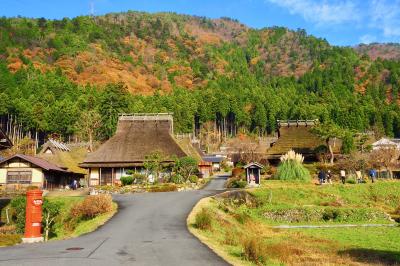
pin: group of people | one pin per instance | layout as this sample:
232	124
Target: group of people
326	177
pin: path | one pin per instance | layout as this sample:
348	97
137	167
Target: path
149	229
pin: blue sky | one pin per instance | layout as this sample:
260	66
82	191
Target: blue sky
341	22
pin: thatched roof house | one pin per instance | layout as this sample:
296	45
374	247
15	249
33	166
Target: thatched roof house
63	155
137	136
296	135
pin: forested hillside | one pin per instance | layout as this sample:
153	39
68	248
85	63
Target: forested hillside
53	72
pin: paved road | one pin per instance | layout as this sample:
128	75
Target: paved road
149	229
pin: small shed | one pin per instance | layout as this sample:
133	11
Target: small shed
253	173
205	169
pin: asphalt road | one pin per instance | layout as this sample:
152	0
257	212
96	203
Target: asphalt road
149	229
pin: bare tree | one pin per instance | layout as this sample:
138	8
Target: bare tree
246	149
87	126
386	158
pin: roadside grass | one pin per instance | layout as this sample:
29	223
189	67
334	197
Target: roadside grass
9	239
62	230
61	227
86	226
242	235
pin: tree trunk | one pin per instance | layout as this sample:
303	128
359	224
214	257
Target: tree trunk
330	151
90	142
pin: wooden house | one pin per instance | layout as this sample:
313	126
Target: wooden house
23	170
215	160
137	136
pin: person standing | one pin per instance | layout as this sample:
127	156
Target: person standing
321	176
343	176
372	175
329	177
359	176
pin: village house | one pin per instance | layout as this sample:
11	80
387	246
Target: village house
64	155
137	136
215	160
386	143
23	170
296	135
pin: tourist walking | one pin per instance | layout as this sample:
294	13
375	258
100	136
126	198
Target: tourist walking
343	176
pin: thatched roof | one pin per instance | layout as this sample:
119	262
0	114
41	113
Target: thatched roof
133	141
190	149
53	146
297	136
66	159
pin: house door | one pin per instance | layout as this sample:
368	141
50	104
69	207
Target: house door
106	176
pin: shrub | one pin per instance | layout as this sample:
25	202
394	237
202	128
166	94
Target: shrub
236	182
177	179
163	188
17	213
237	171
292	169
127	180
253	249
351	180
138	178
240	184
203	220
193	179
92	206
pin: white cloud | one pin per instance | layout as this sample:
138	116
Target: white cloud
386	17
322	12
367	39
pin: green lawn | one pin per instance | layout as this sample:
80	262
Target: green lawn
241	224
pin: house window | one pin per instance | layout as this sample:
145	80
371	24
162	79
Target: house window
19	177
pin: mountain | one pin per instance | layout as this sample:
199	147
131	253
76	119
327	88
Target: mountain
389	51
203	70
150	52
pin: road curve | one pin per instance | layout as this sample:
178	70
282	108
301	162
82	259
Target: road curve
149	229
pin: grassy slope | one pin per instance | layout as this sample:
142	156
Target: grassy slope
232	226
